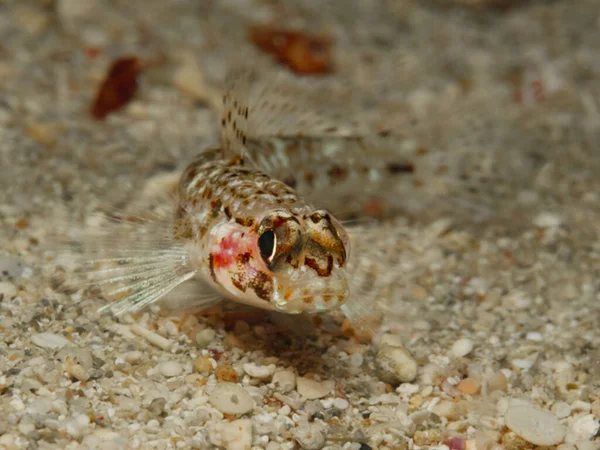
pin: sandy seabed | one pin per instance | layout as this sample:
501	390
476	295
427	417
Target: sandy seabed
492	327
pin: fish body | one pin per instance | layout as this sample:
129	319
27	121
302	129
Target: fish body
255	241
257	219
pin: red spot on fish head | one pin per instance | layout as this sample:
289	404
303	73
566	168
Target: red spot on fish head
228	249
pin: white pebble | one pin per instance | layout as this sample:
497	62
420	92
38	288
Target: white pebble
310	436
8	290
561	409
170	368
340	403
586	445
26	427
236	435
312	389
152	337
534	425
69	10
285	379
522	363
462	347
583	428
205	337
133	357
446	408
49	340
230	398
260	372
395	365
534	336
392	340
547	220
357	359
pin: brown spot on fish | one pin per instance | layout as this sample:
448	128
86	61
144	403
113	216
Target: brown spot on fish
211	267
396	168
238	284
246	222
290	181
337	173
227	212
244	257
215	207
262	285
309	178
313	264
294	262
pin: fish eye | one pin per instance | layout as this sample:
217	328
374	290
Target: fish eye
267	244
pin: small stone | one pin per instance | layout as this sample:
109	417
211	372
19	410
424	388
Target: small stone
392	340
469	386
26	426
534	336
313	389
586	445
496	382
152	337
341	403
547	220
133	357
231	340
81	356
49	340
230	398
561	410
447	409
523	364
157	406
170	368
226	373
7	290
202	364
10	267
69	10
205	337
395	365
534	425
310	436
462	348
357	359
189	79
285	379
427	438
260	372
76	370
236	435
583	428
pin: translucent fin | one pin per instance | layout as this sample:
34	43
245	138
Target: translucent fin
234	117
282	105
275	104
191	296
133	257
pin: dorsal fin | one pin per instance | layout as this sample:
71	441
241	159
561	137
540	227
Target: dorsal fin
234	118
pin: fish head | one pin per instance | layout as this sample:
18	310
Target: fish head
288	260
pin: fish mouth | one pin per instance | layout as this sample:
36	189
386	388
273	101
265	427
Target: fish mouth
313	299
